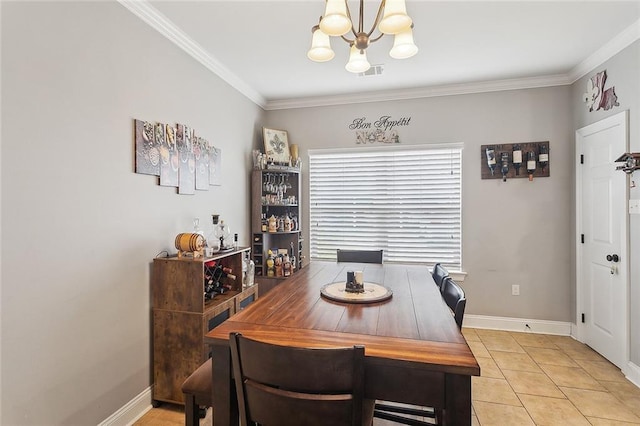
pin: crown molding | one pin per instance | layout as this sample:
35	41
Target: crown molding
151	16
606	52
425	92
162	24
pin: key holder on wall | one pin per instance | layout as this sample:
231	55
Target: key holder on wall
517	160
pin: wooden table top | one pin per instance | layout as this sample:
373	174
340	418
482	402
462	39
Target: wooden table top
414	326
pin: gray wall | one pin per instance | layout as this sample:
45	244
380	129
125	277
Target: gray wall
516	232
79	227
623	72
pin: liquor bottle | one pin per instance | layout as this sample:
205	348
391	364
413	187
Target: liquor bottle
517	158
292	257
264	225
543	156
286	265
531	164
248	270
504	159
491	159
235	241
271	271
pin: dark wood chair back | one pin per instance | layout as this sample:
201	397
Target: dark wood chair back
454	297
287	386
359	256
439	274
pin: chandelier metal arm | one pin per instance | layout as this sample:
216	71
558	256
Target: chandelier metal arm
375	22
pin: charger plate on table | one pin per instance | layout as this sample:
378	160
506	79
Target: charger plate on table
372	293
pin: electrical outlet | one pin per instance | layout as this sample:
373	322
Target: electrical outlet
515	290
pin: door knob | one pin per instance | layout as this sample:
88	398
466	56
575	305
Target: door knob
613	257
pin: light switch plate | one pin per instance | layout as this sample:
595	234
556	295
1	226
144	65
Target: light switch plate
634	206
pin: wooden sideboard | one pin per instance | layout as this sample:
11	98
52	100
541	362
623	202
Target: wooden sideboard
182	316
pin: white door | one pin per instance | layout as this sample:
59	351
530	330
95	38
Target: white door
602	275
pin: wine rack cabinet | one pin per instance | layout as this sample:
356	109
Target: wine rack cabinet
182	316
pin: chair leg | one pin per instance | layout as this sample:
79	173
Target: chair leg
191	411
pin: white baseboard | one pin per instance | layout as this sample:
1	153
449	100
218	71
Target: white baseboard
131	411
632	372
518	324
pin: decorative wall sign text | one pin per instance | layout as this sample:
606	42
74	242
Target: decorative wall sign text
382	130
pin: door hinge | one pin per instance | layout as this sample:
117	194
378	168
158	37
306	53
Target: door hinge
582	238
583	318
581	158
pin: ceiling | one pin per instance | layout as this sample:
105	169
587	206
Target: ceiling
260	46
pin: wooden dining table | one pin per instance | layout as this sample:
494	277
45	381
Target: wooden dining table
414	352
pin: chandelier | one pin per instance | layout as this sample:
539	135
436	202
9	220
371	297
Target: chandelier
391	19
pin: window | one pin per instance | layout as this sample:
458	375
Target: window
406	201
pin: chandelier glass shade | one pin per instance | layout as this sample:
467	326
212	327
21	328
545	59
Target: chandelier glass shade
391	19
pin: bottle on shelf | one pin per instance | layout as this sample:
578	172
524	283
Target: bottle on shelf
286	265
271	271
292	257
235	241
517	158
504	160
248	270
213	275
543	156
264	224
531	164
491	159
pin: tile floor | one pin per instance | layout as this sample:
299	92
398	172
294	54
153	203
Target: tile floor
526	379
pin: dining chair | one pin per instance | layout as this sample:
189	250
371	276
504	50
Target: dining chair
359	256
288	386
439	274
454	297
197	390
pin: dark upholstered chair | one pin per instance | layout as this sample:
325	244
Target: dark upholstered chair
439	274
197	390
359	256
287	386
453	295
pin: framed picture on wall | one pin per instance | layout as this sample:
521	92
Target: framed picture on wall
276	145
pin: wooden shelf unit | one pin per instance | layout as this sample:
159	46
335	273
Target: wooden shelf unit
263	241
182	316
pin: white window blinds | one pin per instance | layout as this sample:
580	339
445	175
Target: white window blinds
404	201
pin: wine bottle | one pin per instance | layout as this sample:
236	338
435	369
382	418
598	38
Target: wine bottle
543	156
504	159
491	159
531	164
517	158
292	256
264	225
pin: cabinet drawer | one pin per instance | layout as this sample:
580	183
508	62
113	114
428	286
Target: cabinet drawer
246	298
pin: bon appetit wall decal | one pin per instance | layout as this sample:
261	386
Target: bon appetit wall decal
382	130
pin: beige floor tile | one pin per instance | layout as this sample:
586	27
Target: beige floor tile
585	353
606	422
492	390
484	332
488	368
573	377
550	356
552	411
524	382
491	414
501	343
562	341
474	421
478	349
515	361
470	334
626	392
602	370
599	404
533	340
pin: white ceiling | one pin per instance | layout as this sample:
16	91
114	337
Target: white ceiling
260	46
